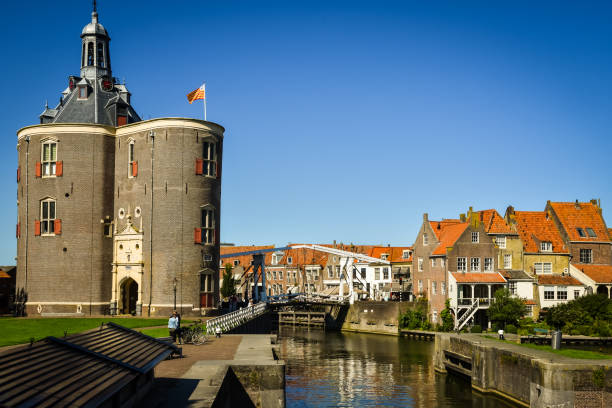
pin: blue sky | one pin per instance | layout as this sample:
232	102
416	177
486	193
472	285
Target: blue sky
346	120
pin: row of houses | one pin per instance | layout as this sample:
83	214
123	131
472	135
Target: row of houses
309	271
544	257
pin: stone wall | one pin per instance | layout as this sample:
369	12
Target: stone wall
529	378
374	317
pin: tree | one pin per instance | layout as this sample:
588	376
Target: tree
506	309
448	322
228	287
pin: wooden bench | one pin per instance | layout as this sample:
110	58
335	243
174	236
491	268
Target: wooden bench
537	334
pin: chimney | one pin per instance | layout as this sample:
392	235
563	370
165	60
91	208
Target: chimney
425	217
594	201
334	243
577	205
462	217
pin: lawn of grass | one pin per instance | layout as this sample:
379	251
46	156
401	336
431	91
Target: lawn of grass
567	352
20	330
159	332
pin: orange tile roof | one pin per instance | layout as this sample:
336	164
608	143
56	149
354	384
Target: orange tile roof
529	302
535	227
599	273
610	232
581	215
449	234
395	253
564	280
303	256
438	226
4	275
244	260
494	223
475	277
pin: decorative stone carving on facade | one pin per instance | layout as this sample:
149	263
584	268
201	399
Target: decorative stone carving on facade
127	270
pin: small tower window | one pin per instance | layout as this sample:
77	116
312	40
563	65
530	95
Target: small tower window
210	159
47	217
208	226
49	158
83	56
100	51
132	163
90	54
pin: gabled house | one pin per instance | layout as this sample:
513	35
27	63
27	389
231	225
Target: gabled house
545	258
584	231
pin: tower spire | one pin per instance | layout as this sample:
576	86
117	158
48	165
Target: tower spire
94	6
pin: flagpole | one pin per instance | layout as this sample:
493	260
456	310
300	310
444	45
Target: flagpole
204	101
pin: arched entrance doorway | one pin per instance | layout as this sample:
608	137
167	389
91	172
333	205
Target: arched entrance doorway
603	290
129	296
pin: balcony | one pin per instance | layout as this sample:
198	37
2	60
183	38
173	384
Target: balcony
483	303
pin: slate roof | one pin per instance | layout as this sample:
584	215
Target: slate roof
478	277
581	215
535	227
599	273
81	370
561	280
71	109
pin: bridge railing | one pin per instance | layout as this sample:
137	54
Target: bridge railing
234	319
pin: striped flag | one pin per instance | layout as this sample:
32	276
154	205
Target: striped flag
199	93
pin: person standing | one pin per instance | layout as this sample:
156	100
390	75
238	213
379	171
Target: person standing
173	324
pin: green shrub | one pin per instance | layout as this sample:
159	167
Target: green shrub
522	332
511	329
476	329
495	327
602	329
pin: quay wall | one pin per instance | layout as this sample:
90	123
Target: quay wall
530	378
374	317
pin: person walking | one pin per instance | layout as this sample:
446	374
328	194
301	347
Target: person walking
500	332
173	324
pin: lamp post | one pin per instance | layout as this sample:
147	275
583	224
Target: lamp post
174	284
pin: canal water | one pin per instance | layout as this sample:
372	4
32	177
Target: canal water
336	369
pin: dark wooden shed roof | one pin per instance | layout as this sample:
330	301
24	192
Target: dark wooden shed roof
80	370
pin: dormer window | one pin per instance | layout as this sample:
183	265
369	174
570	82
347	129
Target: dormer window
236	262
384	257
546	246
82	92
405	254
289	260
591	233
581	232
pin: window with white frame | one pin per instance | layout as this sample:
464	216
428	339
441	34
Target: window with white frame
49	158
47	217
376	273
443	288
475	264
330	272
434	316
210	158
512	288
461	264
529	312
236	262
208	226
420	286
433	261
546	246
475	237
501	242
274	275
280	275
561	293
384	257
420	264
405	254
586	255
337	271
425	239
549	293
507	261
289	260
433	287
488	265
442	262
540	268
385	273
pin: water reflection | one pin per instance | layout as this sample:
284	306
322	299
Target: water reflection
332	369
